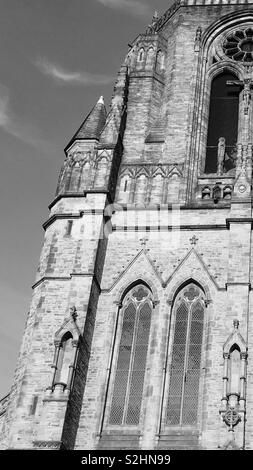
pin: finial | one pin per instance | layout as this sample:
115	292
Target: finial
73	312
101	100
155	16
236	324
153	22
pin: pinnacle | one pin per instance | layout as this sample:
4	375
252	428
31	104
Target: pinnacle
101	100
93	124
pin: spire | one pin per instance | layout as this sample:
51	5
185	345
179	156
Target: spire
93	124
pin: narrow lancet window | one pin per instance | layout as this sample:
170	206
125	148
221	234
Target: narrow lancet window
182	405
131	360
234	371
222	125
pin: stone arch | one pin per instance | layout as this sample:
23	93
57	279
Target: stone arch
233	19
125	288
125	396
234	370
206	71
67	340
142	171
221	67
180	284
235	339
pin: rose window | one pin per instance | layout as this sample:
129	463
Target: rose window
239	45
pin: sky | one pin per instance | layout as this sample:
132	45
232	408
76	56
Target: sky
57	58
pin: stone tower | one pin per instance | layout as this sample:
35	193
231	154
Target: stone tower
141	323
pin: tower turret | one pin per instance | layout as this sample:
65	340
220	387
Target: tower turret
78	171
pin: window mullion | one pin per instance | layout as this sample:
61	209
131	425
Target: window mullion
131	364
186	357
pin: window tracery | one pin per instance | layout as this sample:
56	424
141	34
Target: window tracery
239	45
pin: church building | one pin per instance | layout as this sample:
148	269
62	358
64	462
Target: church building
140	329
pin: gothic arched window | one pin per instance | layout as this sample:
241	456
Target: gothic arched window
234	369
131	357
64	360
223	123
182	404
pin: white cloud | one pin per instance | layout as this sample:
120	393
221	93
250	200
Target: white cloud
17	127
75	78
4	118
134	7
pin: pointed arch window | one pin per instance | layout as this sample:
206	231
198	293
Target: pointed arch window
222	124
234	370
141	55
131	359
65	359
182	404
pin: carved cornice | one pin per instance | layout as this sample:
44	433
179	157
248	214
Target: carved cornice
150	170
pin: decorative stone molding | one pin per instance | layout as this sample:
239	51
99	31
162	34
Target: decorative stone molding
176	288
149	184
47	445
214	191
150	170
235	46
69	324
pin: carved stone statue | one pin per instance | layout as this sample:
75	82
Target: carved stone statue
246	95
221	154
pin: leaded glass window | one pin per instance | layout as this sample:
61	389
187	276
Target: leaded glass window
182	405
131	361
